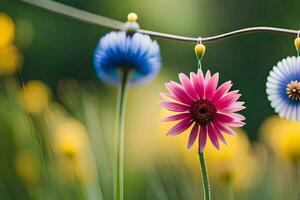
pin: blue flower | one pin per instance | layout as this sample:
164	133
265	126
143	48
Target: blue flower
283	88
118	52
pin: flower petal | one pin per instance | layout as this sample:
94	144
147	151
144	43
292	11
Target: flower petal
199	83
187	84
202	138
212	136
219	134
227	100
178	92
207	76
176	117
236	124
193	135
223	118
221	91
223	128
211	86
180	127
237	117
235	107
175	106
166	96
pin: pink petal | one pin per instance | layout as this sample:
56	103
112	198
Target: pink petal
219	134
202	138
176	117
198	83
166	96
175	106
211	86
178	92
223	128
207	76
237	117
180	127
236	124
223	118
227	100
221	91
212	136
187	84
193	135
235	107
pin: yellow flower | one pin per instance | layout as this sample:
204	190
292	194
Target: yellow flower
7	30
35	96
132	17
27	167
234	162
73	148
10	59
283	136
71	138
269	129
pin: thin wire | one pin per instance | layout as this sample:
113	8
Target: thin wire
114	24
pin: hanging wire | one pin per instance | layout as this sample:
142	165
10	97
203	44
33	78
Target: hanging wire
114	24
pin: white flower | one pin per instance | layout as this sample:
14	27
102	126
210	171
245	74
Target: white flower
283	88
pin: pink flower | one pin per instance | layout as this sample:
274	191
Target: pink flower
199	103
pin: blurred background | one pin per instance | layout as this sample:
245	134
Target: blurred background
57	118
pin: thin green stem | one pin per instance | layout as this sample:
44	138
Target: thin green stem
199	59
119	139
205	181
230	192
199	64
295	176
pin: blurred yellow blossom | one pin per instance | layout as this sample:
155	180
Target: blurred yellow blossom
71	138
7	30
283	136
269	130
10	60
27	167
72	142
35	96
234	162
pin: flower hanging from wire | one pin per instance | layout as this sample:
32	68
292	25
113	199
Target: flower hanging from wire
200	104
283	88
119	52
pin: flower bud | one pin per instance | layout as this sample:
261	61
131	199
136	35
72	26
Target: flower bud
297	43
132	17
200	50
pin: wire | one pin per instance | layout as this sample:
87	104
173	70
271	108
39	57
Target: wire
98	20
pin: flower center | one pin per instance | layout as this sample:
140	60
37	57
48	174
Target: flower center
293	90
203	112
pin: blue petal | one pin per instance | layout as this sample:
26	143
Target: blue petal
117	51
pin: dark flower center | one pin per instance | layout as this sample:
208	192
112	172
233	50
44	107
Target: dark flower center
203	112
293	90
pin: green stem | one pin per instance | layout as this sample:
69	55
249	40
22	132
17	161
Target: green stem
295	176
199	64
230	193
199	61
205	181
119	140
